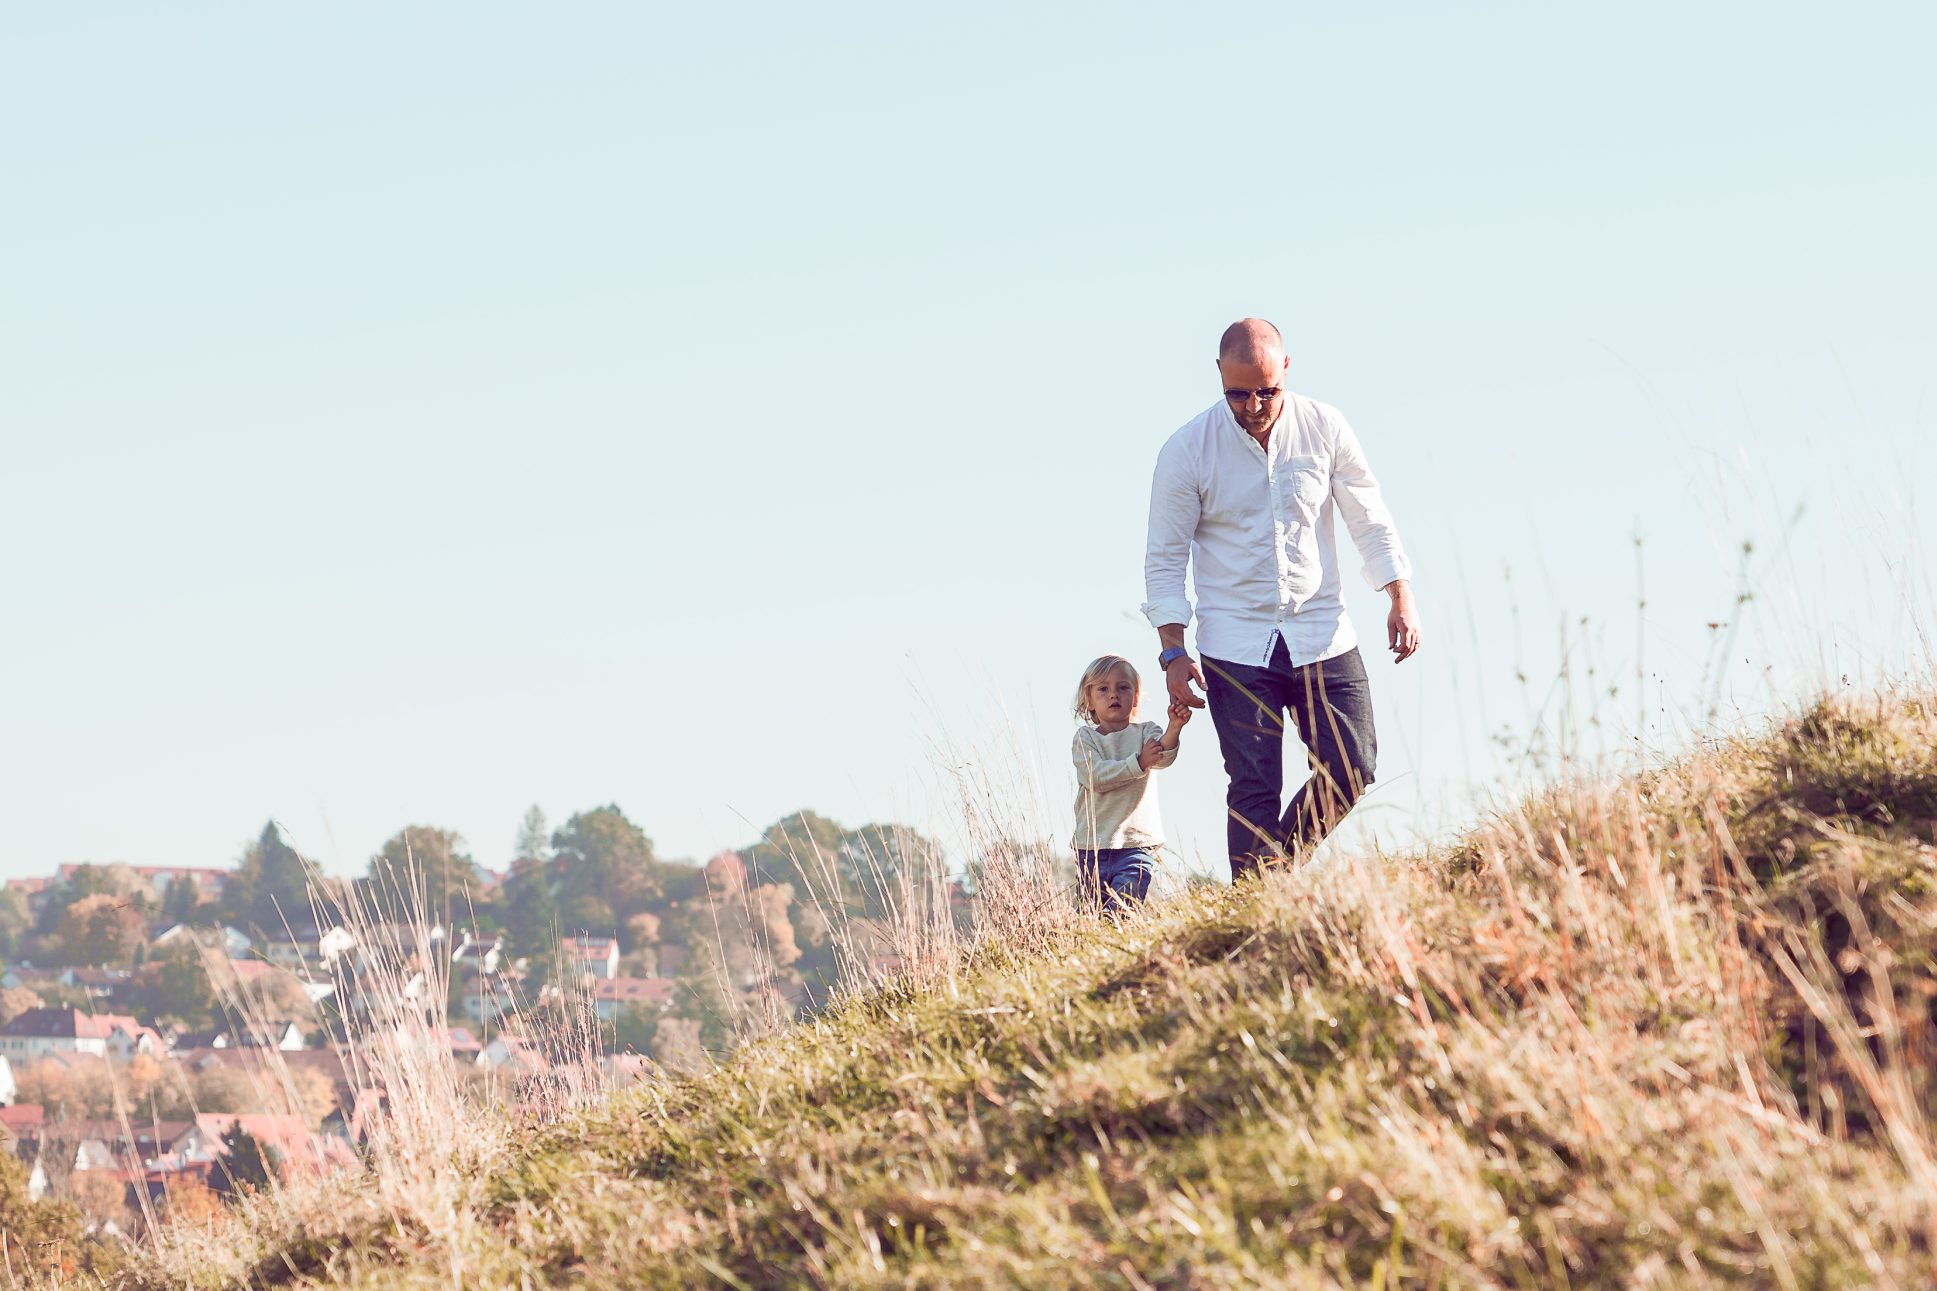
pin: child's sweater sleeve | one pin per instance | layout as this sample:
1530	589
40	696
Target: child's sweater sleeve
1099	772
1152	731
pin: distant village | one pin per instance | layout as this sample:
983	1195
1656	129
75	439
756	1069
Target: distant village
171	1037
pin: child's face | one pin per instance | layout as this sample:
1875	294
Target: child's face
1113	699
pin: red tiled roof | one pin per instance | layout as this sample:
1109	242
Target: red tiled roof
149	1138
71	1024
22	1116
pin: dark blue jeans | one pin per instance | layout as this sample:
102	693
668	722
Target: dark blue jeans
1110	878
1331	705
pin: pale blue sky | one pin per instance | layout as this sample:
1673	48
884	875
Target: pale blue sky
414	413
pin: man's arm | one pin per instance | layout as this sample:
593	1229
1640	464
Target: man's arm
1174	511
1357	495
1183	670
1402	620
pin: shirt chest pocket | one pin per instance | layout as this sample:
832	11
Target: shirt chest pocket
1305	481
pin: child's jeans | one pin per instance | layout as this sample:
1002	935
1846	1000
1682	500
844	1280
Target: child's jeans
1111	878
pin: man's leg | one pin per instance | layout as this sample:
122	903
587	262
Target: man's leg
1247	707
1331	701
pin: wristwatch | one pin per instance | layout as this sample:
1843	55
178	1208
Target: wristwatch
1171	656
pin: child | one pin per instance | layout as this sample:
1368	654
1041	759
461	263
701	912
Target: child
1117	825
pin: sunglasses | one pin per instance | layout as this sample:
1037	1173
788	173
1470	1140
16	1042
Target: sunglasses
1265	395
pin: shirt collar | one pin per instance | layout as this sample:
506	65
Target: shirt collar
1229	419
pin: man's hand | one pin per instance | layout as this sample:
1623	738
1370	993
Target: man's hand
1178	678
1401	621
1149	753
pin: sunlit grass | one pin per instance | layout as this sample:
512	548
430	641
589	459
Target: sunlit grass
1666	1032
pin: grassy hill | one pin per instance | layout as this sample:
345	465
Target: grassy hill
1673	1031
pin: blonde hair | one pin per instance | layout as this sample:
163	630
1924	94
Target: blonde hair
1100	667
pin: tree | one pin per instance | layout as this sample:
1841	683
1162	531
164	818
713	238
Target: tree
226	1089
881	860
48	1234
422	863
101	929
15	1000
270	889
190	1202
859	871
530	913
707	995
102	1198
632	1029
315	1095
534	836
141	1077
676	1045
605	870
804	847
175	985
246	1165
773	928
16	921
182	901
50	1085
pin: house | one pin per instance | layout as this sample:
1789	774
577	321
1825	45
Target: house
351	1120
478	956
388	995
39	1032
7	1086
173	1146
97	983
234	942
464	1045
290	1144
299	949
487	999
110	1144
30	977
395	944
514	1055
207	882
286	1036
593	956
315	988
612	994
251	971
34	890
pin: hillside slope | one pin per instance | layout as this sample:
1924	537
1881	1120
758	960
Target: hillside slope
1668	1032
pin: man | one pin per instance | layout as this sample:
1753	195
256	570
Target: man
1246	491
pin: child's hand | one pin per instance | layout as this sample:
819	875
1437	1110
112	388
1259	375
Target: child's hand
1179	714
1151	751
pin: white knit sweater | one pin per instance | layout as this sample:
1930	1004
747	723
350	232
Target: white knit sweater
1116	800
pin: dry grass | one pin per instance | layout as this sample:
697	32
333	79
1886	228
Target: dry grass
432	1143
1675	1032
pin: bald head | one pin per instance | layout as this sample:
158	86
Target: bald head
1251	364
1251	341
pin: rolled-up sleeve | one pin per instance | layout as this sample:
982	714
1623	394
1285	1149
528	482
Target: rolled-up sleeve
1357	496
1174	506
1152	731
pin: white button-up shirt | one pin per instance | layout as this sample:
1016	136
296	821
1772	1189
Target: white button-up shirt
1257	525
